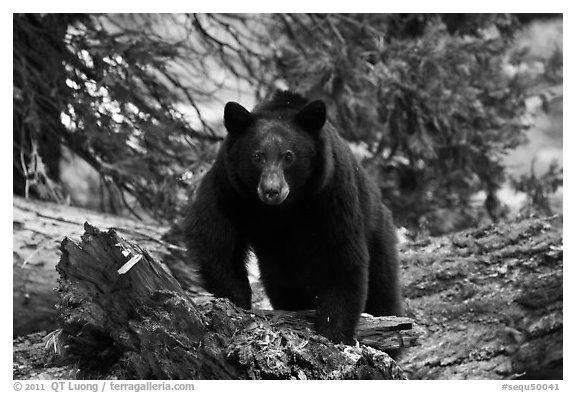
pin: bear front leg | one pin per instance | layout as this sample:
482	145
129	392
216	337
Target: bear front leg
340	306
225	275
217	249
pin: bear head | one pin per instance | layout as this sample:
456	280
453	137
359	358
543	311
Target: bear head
272	152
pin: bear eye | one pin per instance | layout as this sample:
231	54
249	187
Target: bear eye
289	157
257	157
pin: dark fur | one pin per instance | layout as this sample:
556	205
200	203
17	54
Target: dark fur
330	246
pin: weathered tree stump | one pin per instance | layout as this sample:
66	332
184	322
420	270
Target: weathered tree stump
122	314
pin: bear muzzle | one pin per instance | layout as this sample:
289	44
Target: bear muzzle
273	189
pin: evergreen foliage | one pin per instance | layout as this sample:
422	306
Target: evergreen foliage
428	101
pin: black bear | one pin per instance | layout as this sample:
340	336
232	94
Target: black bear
287	186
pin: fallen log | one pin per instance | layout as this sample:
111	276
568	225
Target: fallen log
38	229
123	315
490	300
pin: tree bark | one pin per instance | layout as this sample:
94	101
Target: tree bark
490	301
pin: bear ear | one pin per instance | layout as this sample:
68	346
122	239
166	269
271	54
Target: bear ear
236	117
312	117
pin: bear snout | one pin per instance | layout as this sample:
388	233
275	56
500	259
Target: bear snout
273	189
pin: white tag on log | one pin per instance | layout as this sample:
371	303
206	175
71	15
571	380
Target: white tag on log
128	265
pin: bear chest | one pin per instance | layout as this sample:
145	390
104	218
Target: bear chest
293	234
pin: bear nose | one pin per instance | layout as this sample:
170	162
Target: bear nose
272	194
